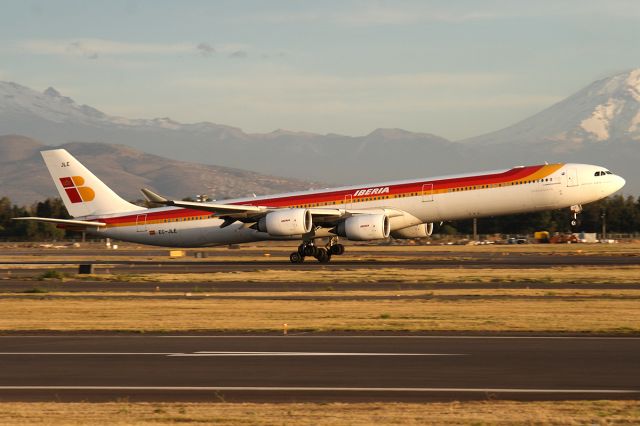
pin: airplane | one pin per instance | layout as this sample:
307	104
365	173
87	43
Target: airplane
401	209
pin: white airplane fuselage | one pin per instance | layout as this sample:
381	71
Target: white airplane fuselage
444	198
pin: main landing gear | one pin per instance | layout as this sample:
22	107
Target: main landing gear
576	210
322	254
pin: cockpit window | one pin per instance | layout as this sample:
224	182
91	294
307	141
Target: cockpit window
608	172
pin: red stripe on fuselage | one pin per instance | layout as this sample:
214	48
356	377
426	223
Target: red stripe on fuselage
176	213
339	196
336	196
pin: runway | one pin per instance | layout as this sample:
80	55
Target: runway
282	262
317	368
29	268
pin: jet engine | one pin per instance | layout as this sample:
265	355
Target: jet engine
286	222
364	227
417	231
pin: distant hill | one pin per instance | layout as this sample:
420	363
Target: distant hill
599	124
25	179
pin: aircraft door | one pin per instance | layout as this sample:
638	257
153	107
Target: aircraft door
141	223
427	192
572	177
348	201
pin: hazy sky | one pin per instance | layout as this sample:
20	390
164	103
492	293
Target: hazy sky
453	68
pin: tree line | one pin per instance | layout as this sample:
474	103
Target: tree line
23	230
621	214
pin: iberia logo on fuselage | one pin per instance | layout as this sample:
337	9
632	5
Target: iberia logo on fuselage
371	191
75	190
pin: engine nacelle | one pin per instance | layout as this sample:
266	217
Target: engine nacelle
364	227
417	231
286	222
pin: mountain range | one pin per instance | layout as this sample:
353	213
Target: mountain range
599	124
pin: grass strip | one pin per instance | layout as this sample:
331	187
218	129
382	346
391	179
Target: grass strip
559	275
455	413
209	314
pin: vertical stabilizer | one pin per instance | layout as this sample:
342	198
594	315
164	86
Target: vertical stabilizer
82	192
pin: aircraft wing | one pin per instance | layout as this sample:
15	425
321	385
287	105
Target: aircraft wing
234	211
66	223
231	210
222	209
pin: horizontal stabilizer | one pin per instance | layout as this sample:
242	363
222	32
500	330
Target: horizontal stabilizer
68	222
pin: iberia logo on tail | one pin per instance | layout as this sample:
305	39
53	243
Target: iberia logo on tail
75	190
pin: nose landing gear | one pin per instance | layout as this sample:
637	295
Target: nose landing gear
576	210
322	254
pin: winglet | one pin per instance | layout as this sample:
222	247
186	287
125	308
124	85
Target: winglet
153	197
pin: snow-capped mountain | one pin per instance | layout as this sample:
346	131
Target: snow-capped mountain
606	110
51	106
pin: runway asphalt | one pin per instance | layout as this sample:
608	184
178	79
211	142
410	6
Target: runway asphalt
454	260
29	268
317	368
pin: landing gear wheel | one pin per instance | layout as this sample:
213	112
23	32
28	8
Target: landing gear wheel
323	255
574	222
336	249
310	250
296	257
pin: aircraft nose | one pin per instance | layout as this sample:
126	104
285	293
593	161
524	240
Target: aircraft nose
618	183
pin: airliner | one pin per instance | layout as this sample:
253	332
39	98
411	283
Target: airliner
401	209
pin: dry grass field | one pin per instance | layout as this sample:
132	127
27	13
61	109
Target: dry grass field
568	274
456	413
513	310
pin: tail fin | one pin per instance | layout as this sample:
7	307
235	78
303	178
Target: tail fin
82	192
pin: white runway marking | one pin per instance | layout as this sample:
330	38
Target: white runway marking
308	336
223	354
87	353
320	389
